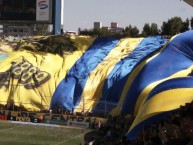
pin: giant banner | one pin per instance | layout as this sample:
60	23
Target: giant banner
131	76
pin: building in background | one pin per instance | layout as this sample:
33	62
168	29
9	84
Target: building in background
97	25
114	25
115	28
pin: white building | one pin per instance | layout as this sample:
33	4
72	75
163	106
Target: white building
97	25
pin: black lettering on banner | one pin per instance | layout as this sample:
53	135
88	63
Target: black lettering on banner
27	75
16	64
20	68
38	79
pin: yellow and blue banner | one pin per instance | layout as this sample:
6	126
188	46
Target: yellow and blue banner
164	83
132	76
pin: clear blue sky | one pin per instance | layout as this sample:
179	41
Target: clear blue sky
82	13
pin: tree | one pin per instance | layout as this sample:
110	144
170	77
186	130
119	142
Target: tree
105	31
96	31
154	29
150	30
41	29
146	30
165	28
191	23
172	27
127	31
134	32
131	31
86	32
185	25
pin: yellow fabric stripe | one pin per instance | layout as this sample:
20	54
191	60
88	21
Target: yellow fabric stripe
94	85
33	98
168	100
164	101
147	90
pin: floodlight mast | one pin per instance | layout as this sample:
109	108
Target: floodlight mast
56	17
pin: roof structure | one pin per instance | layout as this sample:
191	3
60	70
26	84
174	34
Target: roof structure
190	2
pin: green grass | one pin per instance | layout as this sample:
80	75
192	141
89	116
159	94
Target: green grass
28	134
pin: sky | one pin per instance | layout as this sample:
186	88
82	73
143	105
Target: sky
83	13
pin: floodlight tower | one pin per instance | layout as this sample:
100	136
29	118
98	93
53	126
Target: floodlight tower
62	17
57	17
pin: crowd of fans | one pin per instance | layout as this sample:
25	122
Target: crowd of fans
177	129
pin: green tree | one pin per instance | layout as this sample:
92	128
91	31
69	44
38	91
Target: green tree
134	32
131	31
165	28
96	31
146	30
172	26
191	22
105	31
150	30
185	25
127	31
86	32
154	29
41	29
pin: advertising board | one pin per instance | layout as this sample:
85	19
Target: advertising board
26	11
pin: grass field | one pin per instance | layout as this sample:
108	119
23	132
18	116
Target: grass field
12	133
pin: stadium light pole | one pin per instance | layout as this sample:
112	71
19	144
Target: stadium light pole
62	17
56	17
